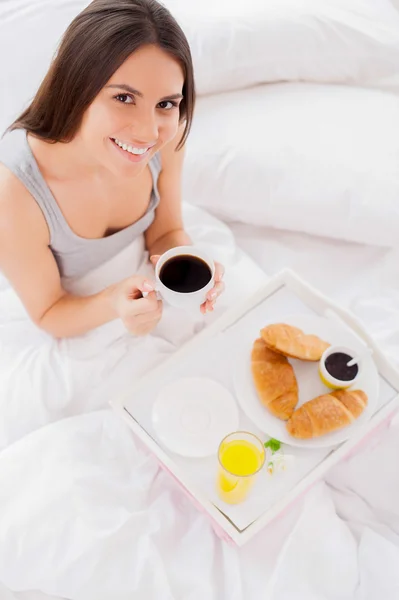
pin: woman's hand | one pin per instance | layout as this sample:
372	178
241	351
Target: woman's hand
140	315
214	293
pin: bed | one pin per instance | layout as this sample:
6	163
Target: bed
293	161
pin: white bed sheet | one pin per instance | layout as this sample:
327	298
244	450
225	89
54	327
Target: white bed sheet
340	542
360	277
144	540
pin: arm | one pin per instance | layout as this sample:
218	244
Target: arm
167	230
28	264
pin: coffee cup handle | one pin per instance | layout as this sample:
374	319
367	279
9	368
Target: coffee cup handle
157	292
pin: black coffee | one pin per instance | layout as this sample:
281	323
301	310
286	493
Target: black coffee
336	365
185	273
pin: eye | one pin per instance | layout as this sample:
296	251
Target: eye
124	98
167	104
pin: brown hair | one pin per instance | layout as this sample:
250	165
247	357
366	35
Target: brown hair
93	47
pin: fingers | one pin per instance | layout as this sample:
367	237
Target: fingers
219	272
142	306
155	258
215	292
217	289
146	305
206	307
143	323
138	284
151	316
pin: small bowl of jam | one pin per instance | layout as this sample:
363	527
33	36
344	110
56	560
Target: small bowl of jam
333	367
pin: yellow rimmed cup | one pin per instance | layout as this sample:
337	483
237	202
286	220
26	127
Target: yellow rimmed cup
326	377
241	456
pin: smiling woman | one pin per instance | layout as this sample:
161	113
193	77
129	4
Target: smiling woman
94	162
138	121
168	103
95	45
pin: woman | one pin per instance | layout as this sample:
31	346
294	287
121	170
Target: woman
79	181
95	162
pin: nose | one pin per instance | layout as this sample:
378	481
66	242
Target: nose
145	128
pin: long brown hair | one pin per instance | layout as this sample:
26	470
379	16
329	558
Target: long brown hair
93	47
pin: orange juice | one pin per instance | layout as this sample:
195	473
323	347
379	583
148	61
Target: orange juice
241	456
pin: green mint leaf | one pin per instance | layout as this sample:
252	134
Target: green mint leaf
273	444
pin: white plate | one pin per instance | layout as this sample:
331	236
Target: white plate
192	415
309	382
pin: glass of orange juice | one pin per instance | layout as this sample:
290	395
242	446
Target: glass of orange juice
241	456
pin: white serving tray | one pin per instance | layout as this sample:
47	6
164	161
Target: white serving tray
209	355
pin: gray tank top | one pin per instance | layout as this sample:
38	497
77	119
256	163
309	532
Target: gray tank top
75	255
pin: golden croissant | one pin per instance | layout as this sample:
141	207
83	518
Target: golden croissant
326	413
274	380
292	341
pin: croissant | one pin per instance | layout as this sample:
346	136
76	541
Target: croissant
326	413
292	341
274	380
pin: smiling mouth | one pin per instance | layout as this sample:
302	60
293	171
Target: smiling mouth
131	149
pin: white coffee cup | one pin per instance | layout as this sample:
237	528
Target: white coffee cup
187	300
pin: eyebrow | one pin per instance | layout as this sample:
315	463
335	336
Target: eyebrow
127	88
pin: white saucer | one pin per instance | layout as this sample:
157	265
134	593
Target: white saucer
192	415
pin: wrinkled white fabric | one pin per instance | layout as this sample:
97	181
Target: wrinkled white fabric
43	379
86	513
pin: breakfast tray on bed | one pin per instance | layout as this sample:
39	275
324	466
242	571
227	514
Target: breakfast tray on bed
218	353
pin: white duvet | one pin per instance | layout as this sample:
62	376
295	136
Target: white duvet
43	379
87	514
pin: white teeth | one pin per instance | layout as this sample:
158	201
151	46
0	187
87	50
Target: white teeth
137	150
131	149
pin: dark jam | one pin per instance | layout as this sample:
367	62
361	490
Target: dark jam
336	365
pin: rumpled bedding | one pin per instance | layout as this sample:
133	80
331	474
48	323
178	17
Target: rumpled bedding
86	512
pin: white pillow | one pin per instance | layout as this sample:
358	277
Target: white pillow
235	43
30	31
320	159
238	43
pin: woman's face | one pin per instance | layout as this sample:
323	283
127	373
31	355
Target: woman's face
136	113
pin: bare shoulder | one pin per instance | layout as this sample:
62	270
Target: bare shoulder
19	212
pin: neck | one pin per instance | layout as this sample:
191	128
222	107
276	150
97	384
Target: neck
67	161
